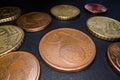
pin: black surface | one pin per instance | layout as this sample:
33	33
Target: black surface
100	69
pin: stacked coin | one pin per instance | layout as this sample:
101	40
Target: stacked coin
65	12
11	38
113	54
9	13
67	49
34	21
95	8
104	28
19	66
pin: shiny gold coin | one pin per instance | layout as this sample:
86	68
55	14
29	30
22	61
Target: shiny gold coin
67	50
19	65
11	38
9	13
65	12
104	28
113	54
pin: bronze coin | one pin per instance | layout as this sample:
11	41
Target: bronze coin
95	8
113	54
19	65
34	21
67	50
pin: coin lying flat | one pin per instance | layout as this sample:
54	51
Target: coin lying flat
9	13
67	50
11	38
19	65
95	8
113	54
104	28
65	12
34	21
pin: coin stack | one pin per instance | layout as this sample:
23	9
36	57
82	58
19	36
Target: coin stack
63	49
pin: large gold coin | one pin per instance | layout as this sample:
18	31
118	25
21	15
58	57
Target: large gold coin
104	28
9	13
65	12
11	38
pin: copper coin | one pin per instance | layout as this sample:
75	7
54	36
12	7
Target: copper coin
67	50
114	55
95	8
19	66
34	21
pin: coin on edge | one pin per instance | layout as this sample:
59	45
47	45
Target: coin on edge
65	12
113	54
9	13
19	65
34	21
95	8
67	49
11	38
104	28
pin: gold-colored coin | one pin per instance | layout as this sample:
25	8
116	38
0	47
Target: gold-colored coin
9	13
11	38
65	12
104	27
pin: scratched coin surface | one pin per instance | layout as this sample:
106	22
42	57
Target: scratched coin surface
113	54
67	49
11	38
65	12
95	8
34	21
104	27
19	65
9	13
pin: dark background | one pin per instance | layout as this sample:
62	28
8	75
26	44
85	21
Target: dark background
100	69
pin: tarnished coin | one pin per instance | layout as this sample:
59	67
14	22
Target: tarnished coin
65	12
67	50
19	65
104	28
11	38
9	13
34	21
113	54
95	8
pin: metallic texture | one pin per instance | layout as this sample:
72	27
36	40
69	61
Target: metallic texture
104	28
67	50
65	12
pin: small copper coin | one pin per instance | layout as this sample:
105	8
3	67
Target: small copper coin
19	65
113	54
67	50
95	8
34	21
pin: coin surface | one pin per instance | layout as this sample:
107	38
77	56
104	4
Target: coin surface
65	12
104	27
34	21
9	13
67	50
95	8
113	54
11	38
19	65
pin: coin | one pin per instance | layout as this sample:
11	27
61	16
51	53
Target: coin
34	21
113	54
11	38
19	65
104	27
67	50
65	12
9	13
95	8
